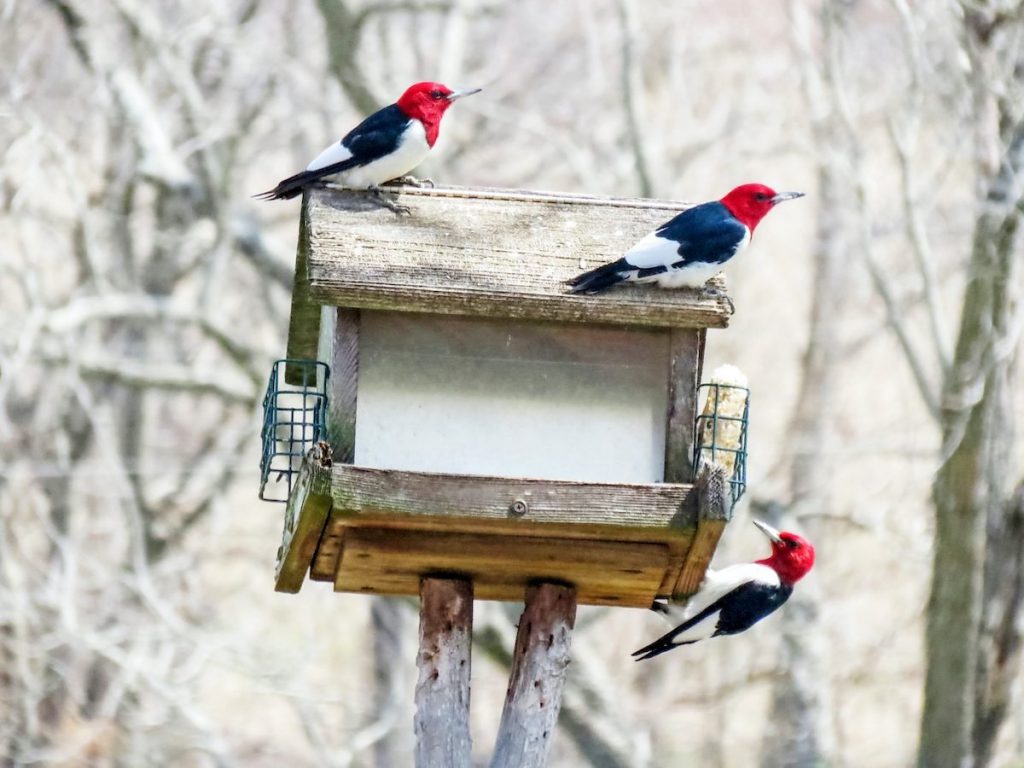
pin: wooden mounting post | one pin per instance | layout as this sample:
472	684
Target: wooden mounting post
538	676
442	691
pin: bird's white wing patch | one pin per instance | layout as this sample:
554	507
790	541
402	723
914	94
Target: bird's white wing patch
715	586
653	251
336	153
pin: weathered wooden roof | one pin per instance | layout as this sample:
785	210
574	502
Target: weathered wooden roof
484	252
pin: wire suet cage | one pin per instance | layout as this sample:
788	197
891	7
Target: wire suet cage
294	418
720	432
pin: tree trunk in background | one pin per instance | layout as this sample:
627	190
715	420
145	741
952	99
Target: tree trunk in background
1002	626
971	488
973	634
801	713
390	619
344	28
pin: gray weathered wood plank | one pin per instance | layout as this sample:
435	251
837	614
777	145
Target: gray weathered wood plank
304	323
306	514
714	510
497	253
535	685
684	357
341	416
632	511
441	723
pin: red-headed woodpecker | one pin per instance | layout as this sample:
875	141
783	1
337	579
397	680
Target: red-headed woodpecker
734	599
690	249
385	146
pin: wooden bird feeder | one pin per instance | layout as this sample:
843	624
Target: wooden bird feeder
486	426
489	435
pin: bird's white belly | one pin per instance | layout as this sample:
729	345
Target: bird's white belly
412	151
691	276
656	251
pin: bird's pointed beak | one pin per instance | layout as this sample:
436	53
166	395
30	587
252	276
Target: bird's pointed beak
781	197
455	95
768	531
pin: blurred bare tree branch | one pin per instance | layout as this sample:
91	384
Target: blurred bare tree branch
143	295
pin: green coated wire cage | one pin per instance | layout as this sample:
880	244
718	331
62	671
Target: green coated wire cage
294	418
720	432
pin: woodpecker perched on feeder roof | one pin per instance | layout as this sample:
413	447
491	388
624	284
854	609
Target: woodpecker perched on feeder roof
734	599
690	249
385	146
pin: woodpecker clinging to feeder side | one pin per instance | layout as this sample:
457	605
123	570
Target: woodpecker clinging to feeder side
689	250
733	599
385	146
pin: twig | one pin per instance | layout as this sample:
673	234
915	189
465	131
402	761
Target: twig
894	315
632	94
142	375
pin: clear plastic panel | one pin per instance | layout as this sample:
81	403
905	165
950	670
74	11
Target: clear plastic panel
512	399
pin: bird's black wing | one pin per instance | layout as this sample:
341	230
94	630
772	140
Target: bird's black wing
706	233
373	138
376	136
743	607
738	610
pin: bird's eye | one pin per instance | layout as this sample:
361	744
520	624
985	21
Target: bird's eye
436	94
792	544
761	196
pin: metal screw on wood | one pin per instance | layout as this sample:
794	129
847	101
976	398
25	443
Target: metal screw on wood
519	508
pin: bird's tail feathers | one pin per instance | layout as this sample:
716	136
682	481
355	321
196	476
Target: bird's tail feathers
290	187
598	279
293	185
661	645
666	641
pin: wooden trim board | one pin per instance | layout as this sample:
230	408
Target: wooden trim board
506	533
423	500
306	515
304	321
618	544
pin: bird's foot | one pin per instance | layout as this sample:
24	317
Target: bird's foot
411	181
397	208
718	293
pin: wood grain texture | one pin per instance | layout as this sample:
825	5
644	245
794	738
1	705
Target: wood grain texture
619	544
304	323
637	512
305	517
341	414
714	510
328	552
441	722
486	252
684	358
535	685
391	562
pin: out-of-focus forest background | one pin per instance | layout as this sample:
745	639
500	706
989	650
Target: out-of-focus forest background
143	295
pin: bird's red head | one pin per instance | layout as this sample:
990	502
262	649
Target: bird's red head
427	102
792	556
751	202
